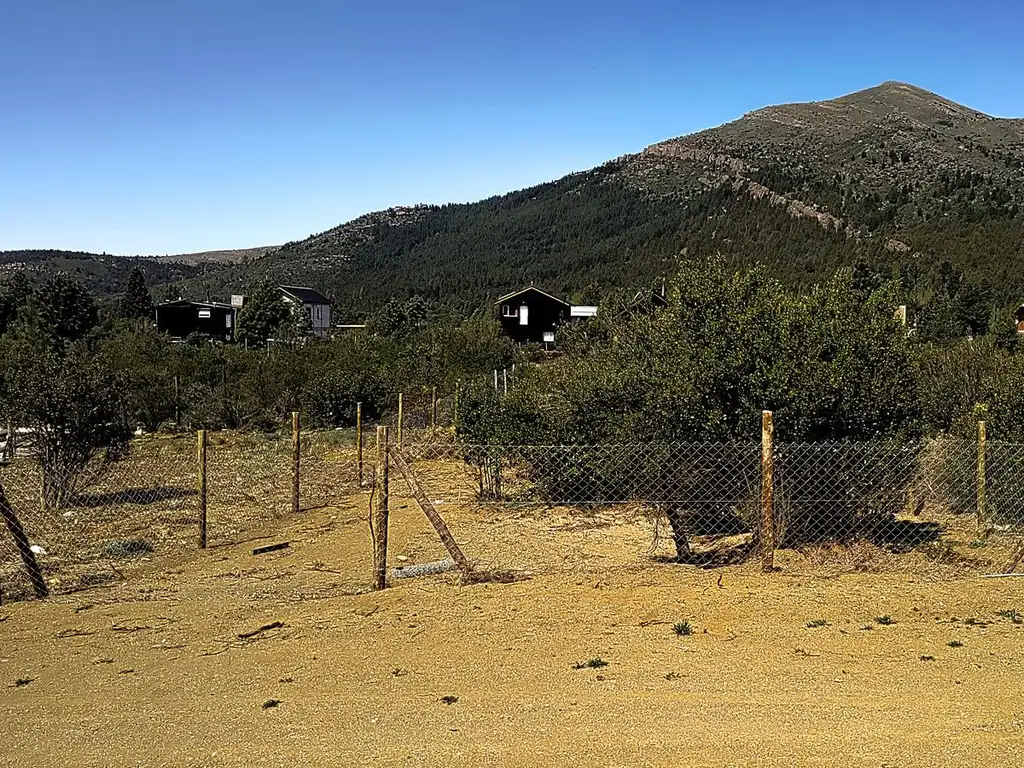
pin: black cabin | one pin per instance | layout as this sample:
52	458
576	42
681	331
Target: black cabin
531	316
182	318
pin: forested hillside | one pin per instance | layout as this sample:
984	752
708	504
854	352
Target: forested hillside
101	273
893	176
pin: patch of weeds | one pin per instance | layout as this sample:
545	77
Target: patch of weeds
814	624
672	676
449	700
955	644
885	621
399	672
927	658
126	548
682	629
286	680
23	681
976	544
595	663
970	621
271	703
1012	615
867	627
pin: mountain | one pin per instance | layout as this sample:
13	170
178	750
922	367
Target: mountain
103	274
895	175
234	256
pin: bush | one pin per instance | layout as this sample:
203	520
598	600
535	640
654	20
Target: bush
75	406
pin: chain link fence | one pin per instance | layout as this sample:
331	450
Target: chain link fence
83	530
941	506
926	506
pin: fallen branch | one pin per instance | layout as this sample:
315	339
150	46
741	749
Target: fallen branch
260	630
73	633
270	548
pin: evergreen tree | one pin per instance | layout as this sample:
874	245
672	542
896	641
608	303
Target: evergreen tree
262	316
14	295
65	308
136	302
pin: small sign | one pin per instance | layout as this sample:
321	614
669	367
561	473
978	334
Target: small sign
237	300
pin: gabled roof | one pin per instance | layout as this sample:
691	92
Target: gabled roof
304	295
189	303
526	290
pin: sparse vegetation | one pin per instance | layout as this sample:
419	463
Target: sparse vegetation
816	623
885	621
682	628
595	663
955	644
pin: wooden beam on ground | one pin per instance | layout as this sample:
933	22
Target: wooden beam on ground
432	514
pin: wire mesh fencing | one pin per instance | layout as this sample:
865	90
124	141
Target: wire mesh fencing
934	506
83	524
942	506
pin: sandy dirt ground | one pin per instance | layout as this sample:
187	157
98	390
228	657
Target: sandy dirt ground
169	668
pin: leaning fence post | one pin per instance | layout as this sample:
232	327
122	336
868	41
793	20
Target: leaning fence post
982	433
28	557
296	459
767	492
380	511
359	443
201	449
433	407
455	404
399	419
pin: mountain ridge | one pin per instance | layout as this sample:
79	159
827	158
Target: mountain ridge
894	174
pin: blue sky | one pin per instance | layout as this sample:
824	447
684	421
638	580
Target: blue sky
131	127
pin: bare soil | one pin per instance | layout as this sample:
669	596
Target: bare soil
223	658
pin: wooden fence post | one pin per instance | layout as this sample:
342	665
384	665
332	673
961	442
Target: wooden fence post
982	481
400	419
201	448
455	404
380	511
359	442
767	492
296	460
177	403
433	408
28	557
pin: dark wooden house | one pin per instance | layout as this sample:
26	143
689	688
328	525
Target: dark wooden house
182	318
531	316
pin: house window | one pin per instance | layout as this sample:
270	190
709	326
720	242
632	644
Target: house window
204	313
507	310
